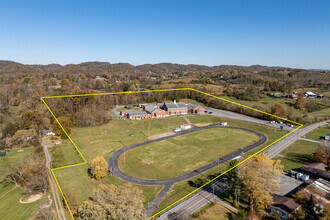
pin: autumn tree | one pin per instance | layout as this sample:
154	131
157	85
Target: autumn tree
111	202
32	119
322	154
260	179
44	213
66	124
99	167
278	110
300	102
25	138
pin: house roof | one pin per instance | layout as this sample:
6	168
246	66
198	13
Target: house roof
151	108
192	106
285	203
139	113
129	111
328	134
310	93
176	104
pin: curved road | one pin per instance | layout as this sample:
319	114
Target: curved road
167	183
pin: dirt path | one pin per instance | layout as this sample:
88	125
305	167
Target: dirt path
8	191
32	198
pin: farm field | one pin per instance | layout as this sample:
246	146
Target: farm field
318	134
179	155
11	208
12	157
78	180
297	154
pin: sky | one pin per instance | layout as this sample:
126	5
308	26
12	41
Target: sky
290	33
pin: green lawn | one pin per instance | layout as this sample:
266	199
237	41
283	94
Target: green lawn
204	119
78	180
301	150
318	134
179	155
11	208
214	211
64	154
105	139
13	157
289	164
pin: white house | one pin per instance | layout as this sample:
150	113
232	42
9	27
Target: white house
185	126
310	94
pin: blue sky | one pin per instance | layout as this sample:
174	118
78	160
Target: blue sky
293	33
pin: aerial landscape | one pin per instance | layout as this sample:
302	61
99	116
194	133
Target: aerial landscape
168	110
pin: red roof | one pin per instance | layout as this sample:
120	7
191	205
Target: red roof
186	124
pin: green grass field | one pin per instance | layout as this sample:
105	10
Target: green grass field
105	139
214	211
13	157
297	154
11	208
182	154
79	181
318	134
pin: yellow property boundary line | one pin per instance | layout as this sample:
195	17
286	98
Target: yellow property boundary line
161	90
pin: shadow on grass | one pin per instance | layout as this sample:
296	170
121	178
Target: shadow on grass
305	158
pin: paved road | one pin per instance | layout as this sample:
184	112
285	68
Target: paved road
167	183
233	115
279	146
53	186
194	203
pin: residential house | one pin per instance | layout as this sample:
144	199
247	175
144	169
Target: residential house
310	95
283	206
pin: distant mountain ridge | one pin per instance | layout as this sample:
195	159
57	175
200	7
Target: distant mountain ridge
121	68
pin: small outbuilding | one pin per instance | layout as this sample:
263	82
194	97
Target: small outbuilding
185	126
224	123
327	137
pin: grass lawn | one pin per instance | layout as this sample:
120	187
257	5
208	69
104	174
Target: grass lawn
105	139
204	119
301	150
289	164
318	134
64	154
11	208
79	181
179	155
13	157
214	211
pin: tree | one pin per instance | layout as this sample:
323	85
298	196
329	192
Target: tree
322	154
260	179
233	180
44	213
32	119
300	102
278	110
99	167
35	175
66	124
111	202
25	138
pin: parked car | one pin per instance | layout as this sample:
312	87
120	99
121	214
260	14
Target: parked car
280	122
210	113
205	111
272	122
290	125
